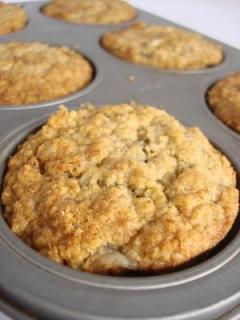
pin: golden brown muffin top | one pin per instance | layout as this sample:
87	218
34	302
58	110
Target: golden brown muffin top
116	188
90	11
224	100
162	47
33	72
12	18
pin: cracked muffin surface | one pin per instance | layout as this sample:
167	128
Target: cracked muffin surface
32	72
224	100
90	11
119	188
12	18
162	47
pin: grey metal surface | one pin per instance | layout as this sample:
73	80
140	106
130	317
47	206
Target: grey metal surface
234	314
207	290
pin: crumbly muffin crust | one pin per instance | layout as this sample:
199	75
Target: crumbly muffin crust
116	188
90	11
12	18
224	100
162	47
33	72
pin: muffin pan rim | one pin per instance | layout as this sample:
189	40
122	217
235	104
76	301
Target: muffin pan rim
20	294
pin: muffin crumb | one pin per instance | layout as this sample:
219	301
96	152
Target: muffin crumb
131	78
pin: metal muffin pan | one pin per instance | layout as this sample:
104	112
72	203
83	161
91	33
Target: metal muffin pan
208	289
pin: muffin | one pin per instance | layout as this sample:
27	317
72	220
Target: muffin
12	18
162	47
33	72
224	100
117	189
90	11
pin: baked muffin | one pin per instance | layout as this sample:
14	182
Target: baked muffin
12	18
90	11
33	72
224	100
162	47
119	188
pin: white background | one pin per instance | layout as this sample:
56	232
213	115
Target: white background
219	19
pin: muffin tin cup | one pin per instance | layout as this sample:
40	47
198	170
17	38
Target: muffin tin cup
206	289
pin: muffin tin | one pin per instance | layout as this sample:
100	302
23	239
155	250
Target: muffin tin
32	286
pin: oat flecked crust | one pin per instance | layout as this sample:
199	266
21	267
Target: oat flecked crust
162	47
224	100
90	11
117	188
12	18
33	72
